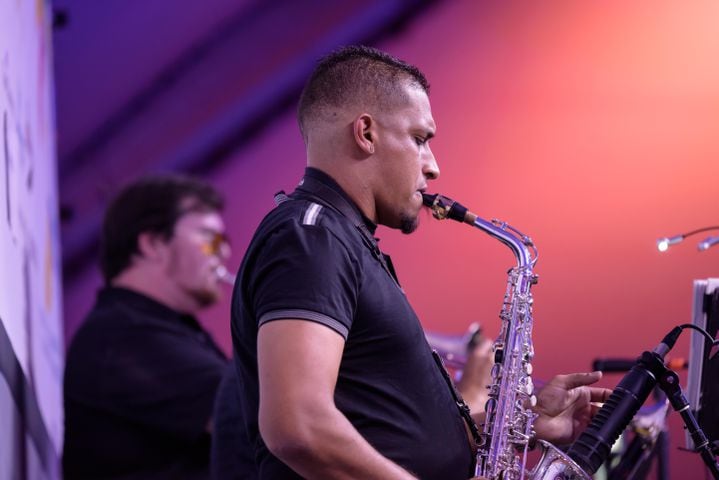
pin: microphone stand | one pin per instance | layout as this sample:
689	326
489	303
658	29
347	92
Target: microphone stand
668	381
592	447
636	459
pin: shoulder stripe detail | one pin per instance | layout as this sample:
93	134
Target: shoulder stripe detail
325	320
311	214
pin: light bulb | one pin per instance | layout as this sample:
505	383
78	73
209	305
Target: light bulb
664	243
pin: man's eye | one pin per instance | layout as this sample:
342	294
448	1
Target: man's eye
420	140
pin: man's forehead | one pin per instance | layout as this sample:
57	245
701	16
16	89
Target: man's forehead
418	102
414	93
201	216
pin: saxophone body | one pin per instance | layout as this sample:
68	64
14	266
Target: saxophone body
507	431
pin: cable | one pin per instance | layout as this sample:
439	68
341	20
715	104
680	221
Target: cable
700	230
593	446
700	330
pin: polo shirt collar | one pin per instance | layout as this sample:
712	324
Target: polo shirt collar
330	182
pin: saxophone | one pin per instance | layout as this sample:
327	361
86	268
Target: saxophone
507	431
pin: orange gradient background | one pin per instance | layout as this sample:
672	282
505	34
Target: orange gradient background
591	126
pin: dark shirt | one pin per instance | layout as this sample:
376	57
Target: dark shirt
231	457
314	258
140	381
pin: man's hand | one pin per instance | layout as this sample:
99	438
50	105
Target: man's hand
566	405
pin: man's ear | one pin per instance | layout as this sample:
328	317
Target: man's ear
151	246
364	129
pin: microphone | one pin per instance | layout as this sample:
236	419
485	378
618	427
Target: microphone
593	446
708	243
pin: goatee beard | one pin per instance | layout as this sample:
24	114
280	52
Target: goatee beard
205	297
408	224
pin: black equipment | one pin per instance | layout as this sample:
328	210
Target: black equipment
593	446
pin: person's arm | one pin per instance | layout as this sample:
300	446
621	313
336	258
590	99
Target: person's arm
298	363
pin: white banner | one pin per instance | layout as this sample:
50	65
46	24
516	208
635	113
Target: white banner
30	289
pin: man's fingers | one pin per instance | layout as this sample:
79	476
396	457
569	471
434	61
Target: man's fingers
574	380
600	395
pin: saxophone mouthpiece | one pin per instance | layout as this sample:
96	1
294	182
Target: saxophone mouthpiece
443	207
224	275
428	199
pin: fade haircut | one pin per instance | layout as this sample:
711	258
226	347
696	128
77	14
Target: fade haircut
150	205
355	74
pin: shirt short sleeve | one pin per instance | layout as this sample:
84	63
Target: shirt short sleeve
305	272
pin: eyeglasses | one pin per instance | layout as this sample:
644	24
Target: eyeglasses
215	243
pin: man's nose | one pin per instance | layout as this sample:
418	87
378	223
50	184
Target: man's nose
431	169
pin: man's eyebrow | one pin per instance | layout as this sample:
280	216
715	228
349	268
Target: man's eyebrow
211	229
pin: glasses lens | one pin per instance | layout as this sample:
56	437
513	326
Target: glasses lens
214	245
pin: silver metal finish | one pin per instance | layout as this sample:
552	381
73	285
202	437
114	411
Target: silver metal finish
555	465
708	243
508	426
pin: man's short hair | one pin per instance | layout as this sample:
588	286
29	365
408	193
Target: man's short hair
152	204
355	74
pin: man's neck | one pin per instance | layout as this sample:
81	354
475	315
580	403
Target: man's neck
353	183
156	288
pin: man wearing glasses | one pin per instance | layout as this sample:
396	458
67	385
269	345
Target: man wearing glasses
141	373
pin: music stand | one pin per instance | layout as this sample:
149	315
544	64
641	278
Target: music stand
703	378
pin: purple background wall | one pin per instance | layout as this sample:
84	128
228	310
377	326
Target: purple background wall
590	126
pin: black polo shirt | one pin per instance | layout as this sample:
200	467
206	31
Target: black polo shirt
140	381
314	258
231	457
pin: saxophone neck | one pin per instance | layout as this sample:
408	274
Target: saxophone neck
444	207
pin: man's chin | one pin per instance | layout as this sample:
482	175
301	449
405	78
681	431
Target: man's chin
408	224
206	297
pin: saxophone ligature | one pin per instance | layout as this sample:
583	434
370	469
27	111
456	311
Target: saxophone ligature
507	431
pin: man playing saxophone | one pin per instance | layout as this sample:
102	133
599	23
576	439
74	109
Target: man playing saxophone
340	382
